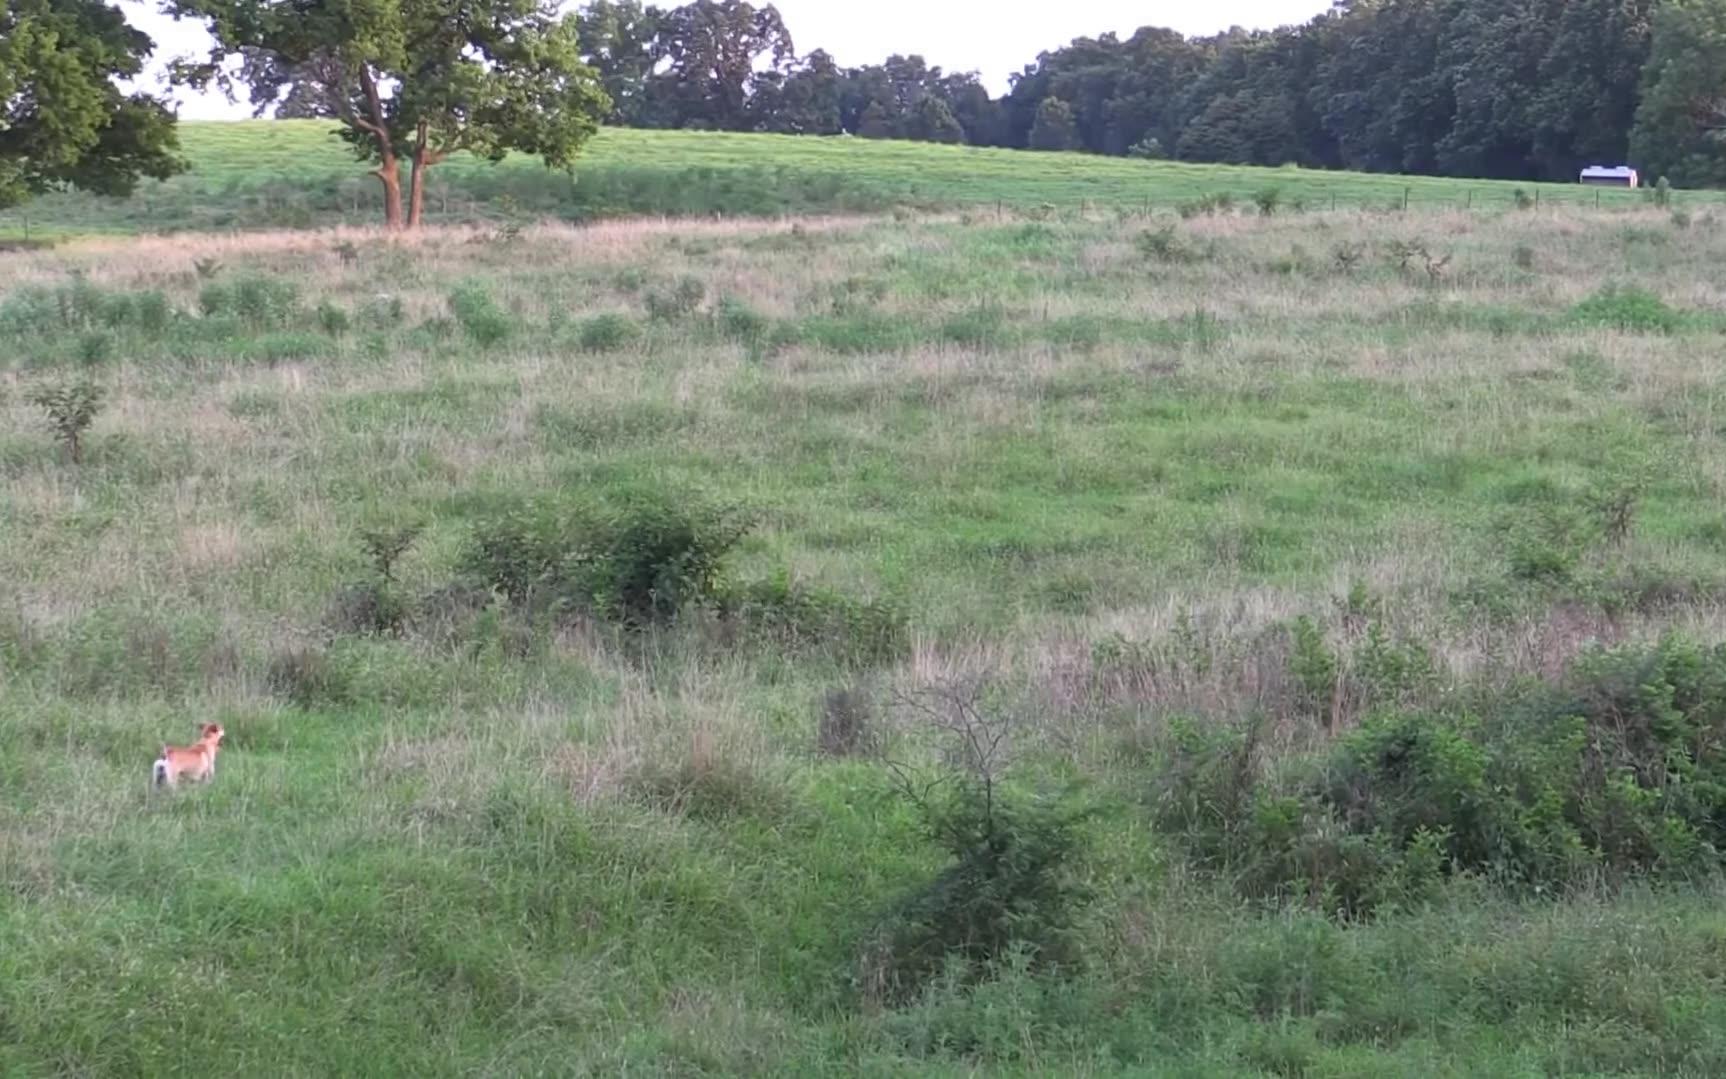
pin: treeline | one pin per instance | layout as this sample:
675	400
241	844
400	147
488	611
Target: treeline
1512	89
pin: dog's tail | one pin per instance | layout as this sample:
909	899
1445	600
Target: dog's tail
159	774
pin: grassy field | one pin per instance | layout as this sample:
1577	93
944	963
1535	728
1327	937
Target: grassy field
295	174
1239	531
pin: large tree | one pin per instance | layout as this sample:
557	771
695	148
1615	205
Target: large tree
1681	125
710	53
620	40
63	120
414	80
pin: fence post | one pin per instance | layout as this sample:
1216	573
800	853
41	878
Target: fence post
1537	198
1597	198
1333	202
1405	200
1471	198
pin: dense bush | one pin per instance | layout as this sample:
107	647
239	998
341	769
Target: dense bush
1617	771
641	558
485	322
607	333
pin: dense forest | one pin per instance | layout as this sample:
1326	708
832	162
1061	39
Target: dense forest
1513	89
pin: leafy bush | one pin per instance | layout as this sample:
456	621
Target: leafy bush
740	322
485	322
1617	771
607	333
641	559
1007	889
1627	308
1268	200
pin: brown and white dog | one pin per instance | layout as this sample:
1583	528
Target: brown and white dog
197	762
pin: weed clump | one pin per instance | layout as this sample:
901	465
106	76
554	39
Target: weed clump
1627	308
799	618
307	677
677	302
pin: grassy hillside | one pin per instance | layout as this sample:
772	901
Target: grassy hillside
295	174
1281	550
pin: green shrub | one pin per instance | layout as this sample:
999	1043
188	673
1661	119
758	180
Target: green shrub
642	558
332	319
1546	545
258	301
1615	772
1008	888
740	322
795	617
94	348
607	333
1627	308
70	409
1268	201
485	322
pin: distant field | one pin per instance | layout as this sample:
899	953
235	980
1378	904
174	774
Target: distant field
1319	569
295	174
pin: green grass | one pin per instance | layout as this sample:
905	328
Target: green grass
522	842
294	174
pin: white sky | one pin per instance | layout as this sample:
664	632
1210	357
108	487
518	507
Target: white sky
958	35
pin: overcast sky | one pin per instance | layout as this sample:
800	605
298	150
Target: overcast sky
959	35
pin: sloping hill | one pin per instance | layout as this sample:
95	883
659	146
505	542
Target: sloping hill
269	173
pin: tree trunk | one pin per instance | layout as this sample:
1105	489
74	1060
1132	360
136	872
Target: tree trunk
389	171
389	174
424	158
417	189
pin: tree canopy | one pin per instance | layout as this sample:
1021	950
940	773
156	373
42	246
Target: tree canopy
63	120
413	80
1681	126
1513	89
